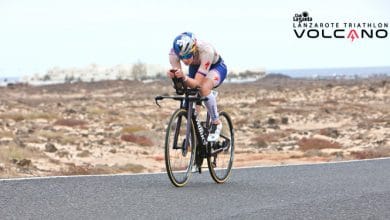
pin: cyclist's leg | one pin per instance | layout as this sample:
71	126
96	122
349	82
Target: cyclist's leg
216	75
192	69
214	78
211	105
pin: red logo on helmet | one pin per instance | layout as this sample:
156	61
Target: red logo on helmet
216	78
353	34
206	66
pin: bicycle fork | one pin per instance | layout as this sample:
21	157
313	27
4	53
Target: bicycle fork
188	131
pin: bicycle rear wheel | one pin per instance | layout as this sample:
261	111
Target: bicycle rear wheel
178	157
220	161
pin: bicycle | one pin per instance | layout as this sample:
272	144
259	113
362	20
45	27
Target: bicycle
186	142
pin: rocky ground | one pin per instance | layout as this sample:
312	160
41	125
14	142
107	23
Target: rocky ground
115	126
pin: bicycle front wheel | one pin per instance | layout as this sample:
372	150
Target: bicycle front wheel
179	157
221	157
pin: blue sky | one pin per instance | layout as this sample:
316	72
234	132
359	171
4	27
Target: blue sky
41	34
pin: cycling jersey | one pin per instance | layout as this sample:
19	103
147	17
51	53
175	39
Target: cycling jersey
206	61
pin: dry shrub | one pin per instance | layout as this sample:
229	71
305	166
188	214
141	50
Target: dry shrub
89	169
30	116
130	167
51	135
291	111
158	158
262	140
141	140
12	151
84	153
330	132
163	115
372	153
331	101
338	154
54	161
59	137
40	115
70	122
7	134
238	151
380	120
63	153
365	125
13	116
315	153
268	102
76	170
241	122
73	169
96	111
259	142
296	156
272	137
133	129
316	143
69	139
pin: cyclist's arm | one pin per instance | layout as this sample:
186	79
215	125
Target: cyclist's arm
193	83
174	60
206	60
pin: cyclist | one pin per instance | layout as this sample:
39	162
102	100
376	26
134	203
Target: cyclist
206	71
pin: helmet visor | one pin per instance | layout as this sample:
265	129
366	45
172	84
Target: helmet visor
186	56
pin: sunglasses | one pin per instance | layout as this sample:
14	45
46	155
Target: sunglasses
186	56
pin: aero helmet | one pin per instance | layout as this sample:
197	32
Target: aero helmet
184	45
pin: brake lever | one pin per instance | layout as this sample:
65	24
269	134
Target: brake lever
157	98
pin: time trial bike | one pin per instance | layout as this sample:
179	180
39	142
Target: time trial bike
186	144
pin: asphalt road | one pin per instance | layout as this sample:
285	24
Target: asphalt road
352	190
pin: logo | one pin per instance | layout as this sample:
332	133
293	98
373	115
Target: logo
352	35
305	27
304	16
184	40
206	66
200	128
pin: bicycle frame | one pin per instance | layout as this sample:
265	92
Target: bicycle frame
187	102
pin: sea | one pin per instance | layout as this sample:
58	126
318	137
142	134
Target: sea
5	80
351	72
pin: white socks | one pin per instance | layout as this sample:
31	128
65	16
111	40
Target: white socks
211	105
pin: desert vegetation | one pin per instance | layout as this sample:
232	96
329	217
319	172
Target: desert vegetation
114	126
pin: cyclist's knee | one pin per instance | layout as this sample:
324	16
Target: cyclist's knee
205	88
204	91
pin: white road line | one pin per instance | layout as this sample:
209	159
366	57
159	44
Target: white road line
76	176
312	164
235	168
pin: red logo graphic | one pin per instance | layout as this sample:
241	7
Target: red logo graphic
216	78
206	66
353	34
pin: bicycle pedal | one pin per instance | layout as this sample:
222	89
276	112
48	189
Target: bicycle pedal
194	169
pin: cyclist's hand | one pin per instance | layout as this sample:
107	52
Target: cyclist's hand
179	73
171	73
